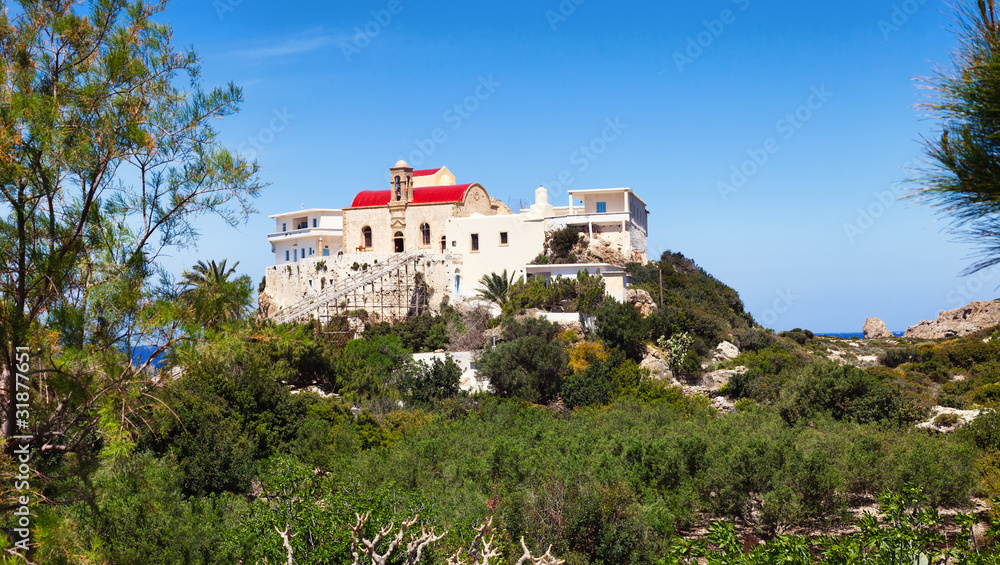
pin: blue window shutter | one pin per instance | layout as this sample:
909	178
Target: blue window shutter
602	207
314	222
286	255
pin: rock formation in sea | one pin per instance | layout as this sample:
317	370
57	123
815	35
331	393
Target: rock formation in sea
875	328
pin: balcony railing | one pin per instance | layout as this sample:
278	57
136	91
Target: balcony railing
307	231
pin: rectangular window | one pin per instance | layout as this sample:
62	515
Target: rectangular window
284	227
286	255
314	222
295	255
474	245
326	252
503	238
310	251
602	207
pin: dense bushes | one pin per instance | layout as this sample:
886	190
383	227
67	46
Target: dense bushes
529	364
688	288
824	388
621	327
581	294
239	455
417	333
766	371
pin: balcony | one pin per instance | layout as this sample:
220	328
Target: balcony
606	218
304	233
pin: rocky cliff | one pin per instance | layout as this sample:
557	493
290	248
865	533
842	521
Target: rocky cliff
959	322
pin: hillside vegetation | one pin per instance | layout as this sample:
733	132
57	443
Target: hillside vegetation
576	446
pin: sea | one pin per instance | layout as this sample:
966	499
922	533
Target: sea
143	352
849	335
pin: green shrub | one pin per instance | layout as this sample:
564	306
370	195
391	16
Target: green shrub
753	339
987	394
603	382
620	326
529	365
416	333
893	358
366	367
764	376
964	355
843	392
946	420
798	335
426	382
562	242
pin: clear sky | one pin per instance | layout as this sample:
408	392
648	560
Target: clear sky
769	138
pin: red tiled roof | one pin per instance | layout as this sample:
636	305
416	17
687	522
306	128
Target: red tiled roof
422	195
426	172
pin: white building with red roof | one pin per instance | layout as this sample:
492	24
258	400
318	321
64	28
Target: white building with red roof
458	233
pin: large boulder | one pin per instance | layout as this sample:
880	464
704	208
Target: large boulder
642	301
654	361
875	328
959	322
725	351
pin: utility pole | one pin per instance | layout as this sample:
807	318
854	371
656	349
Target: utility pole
660	270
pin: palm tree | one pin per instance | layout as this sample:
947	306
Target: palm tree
212	296
496	288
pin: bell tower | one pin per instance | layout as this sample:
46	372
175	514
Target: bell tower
400	193
401	183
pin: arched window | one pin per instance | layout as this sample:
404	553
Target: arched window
366	235
425	234
398	239
399	184
444	243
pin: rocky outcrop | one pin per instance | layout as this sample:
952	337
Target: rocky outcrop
266	306
958	418
725	351
642	301
959	322
715	380
656	364
875	328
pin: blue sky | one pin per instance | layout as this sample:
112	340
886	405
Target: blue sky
816	103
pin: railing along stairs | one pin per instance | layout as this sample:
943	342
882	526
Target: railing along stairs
334	292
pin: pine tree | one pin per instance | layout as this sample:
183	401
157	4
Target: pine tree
963	177
104	163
